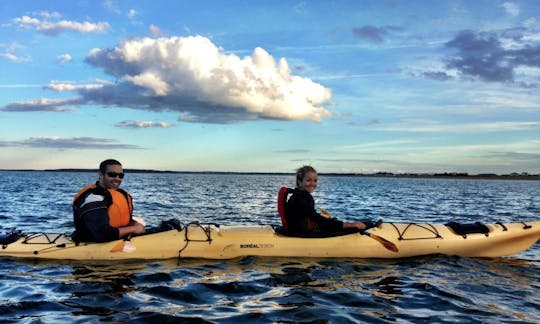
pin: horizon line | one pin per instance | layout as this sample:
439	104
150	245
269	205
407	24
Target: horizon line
379	174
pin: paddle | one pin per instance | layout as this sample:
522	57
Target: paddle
125	245
119	247
387	244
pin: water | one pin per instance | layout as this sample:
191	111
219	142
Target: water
424	289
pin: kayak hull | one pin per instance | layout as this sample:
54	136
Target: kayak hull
227	242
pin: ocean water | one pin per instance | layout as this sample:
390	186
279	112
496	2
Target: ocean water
430	289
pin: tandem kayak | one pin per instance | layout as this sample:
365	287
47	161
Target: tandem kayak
213	241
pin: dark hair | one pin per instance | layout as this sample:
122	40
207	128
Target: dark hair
301	173
103	165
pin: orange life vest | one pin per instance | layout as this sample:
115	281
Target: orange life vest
120	210
121	206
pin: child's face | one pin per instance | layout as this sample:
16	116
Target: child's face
309	183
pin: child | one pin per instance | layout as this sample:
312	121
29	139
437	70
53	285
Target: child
302	218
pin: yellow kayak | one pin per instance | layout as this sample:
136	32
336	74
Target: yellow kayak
211	241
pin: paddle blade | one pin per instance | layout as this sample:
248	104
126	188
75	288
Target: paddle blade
129	247
124	246
387	244
119	247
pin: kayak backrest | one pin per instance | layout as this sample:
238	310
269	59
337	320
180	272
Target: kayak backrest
281	201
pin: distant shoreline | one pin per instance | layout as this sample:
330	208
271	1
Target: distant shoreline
445	175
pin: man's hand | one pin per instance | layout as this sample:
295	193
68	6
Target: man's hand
133	228
138	228
139	220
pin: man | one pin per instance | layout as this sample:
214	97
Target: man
102	211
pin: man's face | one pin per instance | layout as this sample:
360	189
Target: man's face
112	179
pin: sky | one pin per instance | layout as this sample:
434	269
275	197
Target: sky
269	86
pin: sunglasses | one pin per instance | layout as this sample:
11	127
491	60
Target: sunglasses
115	174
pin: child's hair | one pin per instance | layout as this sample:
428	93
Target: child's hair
301	173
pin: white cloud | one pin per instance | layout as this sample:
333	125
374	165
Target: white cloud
154	30
43	104
26	22
530	23
9	52
64	58
56	27
192	75
48	14
144	124
151	81
69	86
392	144
14	58
511	8
461	128
20	85
132	13
112	6
57	142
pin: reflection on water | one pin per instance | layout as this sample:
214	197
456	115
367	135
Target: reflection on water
274	289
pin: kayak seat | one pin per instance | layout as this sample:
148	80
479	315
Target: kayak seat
469	228
281	201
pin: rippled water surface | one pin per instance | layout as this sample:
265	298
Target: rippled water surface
424	289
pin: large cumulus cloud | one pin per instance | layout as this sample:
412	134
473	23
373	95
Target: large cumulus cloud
194	77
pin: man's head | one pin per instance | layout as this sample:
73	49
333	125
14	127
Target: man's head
110	174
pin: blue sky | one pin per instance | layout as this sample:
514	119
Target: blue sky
267	86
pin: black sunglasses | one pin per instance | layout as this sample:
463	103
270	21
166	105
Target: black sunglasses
114	175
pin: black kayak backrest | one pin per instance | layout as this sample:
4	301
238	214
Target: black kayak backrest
468	228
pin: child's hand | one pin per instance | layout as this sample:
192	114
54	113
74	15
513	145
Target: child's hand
325	213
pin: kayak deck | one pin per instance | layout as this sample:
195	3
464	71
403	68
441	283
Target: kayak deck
211	241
